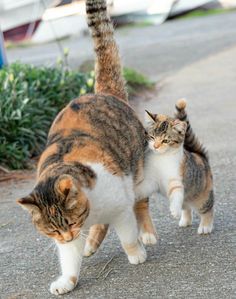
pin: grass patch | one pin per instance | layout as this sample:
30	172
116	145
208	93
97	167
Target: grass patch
205	12
136	81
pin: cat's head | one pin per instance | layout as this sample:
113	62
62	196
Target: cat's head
58	207
165	134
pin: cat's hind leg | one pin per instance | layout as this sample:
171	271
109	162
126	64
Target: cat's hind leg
148	233
126	228
96	235
206	213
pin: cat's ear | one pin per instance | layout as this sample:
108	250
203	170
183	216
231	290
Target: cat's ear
150	118
180	126
67	186
28	204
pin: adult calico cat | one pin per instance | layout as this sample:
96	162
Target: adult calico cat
92	162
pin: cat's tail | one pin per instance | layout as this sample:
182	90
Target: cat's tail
108	70
191	142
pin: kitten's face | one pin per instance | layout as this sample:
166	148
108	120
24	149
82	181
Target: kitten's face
58	207
165	134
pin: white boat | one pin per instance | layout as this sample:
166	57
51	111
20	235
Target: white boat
18	16
31	18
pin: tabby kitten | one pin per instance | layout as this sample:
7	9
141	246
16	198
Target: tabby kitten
177	166
92	162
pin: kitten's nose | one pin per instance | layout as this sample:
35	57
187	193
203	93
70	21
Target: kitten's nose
68	236
157	145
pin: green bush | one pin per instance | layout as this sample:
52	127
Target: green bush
30	98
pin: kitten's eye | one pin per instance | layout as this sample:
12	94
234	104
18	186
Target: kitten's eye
152	137
72	224
165	141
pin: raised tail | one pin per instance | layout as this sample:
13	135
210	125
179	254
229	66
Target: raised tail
191	142
108	70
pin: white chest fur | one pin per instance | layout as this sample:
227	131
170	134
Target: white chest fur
159	169
110	196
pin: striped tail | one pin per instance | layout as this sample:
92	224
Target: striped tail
108	70
191	142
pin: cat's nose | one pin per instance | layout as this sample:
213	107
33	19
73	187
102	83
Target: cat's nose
157	145
68	236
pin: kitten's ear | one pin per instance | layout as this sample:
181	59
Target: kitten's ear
28	204
149	117
180	126
67	186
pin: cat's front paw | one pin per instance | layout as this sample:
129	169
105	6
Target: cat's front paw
184	222
139	257
89	250
176	210
63	284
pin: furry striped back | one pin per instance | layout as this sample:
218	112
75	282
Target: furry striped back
108	70
191	142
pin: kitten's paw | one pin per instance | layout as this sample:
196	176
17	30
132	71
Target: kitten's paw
89	250
148	238
138	258
63	284
176	210
204	230
184	222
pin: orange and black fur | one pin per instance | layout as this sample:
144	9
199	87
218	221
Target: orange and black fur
92	162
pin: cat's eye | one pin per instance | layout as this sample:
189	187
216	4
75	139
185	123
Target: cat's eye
151	137
56	231
72	224
165	141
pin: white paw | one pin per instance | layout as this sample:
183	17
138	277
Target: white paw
62	285
138	258
148	238
203	230
176	210
89	250
184	222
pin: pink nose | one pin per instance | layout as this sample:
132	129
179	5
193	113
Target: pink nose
67	236
157	145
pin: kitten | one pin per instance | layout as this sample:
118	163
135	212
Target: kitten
177	166
92	162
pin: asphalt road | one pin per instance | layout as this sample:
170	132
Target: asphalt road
193	59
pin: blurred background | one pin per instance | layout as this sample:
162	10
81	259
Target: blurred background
25	23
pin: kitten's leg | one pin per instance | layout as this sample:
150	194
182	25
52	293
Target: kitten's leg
206	223
148	233
206	212
176	197
70	255
186	217
96	235
127	230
